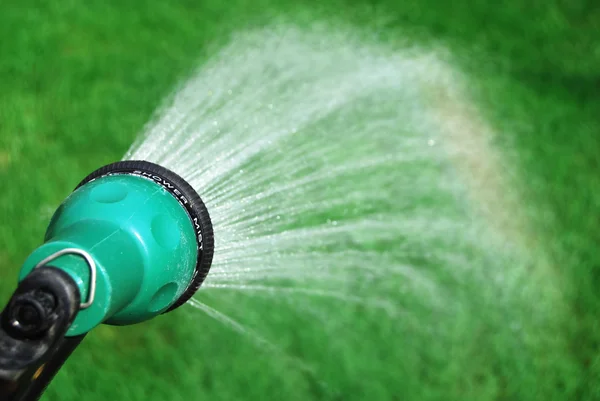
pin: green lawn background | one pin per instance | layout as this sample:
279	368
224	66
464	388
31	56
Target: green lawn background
78	80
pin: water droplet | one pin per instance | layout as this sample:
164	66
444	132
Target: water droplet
431	142
230	91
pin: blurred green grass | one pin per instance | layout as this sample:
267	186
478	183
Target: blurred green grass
78	81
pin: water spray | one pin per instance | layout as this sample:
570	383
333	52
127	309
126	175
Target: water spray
133	241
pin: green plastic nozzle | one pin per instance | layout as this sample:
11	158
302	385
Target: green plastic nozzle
144	234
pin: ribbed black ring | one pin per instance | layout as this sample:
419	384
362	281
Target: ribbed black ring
187	197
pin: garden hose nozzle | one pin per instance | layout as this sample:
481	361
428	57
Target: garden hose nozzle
134	240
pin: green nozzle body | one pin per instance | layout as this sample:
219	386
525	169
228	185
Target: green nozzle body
142	239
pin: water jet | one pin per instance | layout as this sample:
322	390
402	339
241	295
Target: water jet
329	168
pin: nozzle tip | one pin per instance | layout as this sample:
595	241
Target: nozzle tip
187	197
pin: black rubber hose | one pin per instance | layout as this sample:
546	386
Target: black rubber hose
33	346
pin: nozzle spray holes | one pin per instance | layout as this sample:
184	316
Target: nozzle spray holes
109	193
